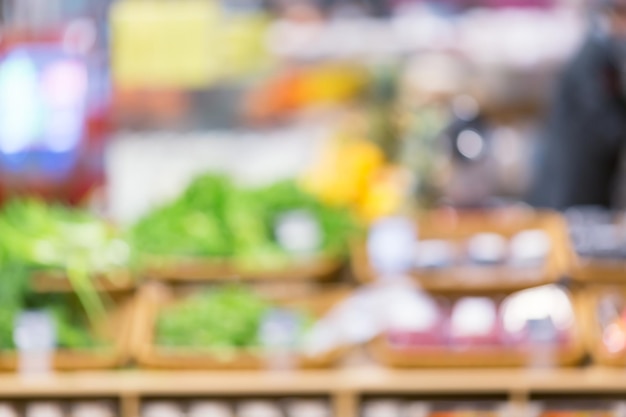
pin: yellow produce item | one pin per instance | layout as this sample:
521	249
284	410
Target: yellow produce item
165	43
330	84
344	172
385	195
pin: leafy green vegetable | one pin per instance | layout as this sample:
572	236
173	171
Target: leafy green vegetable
193	225
71	328
38	236
337	224
225	319
215	218
53	236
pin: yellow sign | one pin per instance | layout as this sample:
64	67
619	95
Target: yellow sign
170	44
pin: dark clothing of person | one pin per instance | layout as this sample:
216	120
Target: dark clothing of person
580	155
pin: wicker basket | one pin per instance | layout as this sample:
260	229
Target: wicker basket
154	297
116	328
600	271
482	279
484	356
199	269
592	330
49	281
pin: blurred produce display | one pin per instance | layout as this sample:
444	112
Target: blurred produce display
48	243
483	321
265	228
231	326
64	244
464	251
71	325
599	240
299	87
597	233
354	172
188	45
222	320
413	105
534	326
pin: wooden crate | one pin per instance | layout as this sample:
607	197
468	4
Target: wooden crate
600	271
592	330
147	354
200	269
57	281
117	328
467	279
486	356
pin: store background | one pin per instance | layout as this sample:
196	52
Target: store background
385	108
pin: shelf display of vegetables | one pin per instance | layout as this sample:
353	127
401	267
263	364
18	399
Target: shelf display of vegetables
223	319
62	247
71	327
230	326
352	171
262	229
55	237
468	252
532	326
69	243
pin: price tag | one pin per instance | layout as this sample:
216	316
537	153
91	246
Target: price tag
165	43
391	245
298	232
542	331
35	338
279	336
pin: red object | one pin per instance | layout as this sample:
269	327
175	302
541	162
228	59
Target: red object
86	173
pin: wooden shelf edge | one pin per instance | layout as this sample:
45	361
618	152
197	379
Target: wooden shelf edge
360	381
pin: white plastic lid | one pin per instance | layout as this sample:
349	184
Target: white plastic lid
162	409
545	302
209	409
433	253
410	310
473	316
487	248
530	246
391	244
382	408
44	409
308	408
259	409
297	231
92	409
8	410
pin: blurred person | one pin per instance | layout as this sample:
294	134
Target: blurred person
580	156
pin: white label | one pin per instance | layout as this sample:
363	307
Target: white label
391	245
298	232
35	338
